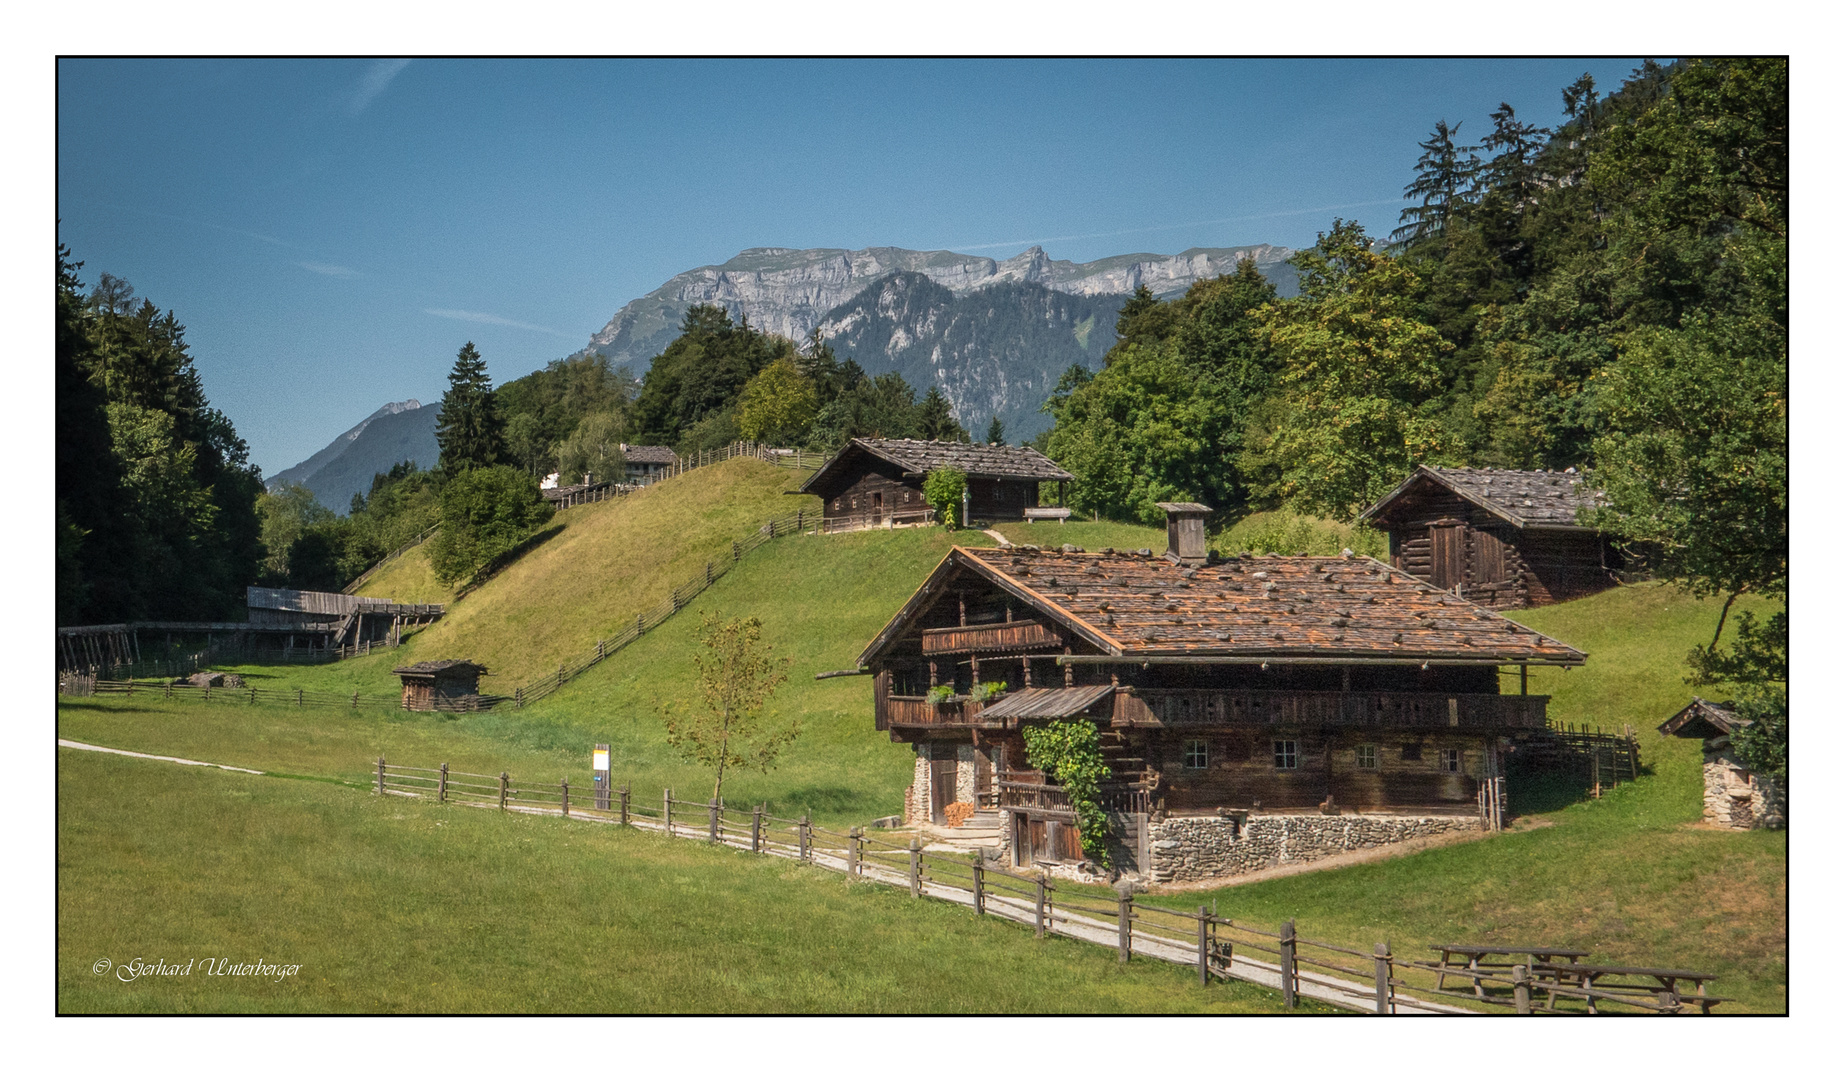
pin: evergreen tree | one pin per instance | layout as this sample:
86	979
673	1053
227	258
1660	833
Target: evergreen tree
1446	176
937	421
470	434
994	436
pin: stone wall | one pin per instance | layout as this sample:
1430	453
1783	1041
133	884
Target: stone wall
1192	848
967	774
919	797
1736	798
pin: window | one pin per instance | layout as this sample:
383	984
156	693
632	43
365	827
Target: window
1366	757
1450	760
1284	750
1194	754
1411	752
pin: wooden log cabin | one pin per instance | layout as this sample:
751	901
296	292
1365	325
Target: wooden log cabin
874	483
440	685
1222	688
1504	538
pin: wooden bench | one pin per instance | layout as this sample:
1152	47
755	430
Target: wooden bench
1472	961
1042	513
1659	990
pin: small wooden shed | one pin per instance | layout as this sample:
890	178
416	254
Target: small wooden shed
872	483
1504	538
1736	796
440	685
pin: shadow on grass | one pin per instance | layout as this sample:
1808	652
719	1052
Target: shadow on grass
97	706
830	800
500	563
1544	793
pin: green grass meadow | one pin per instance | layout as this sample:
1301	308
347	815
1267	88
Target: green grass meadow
395	905
402	906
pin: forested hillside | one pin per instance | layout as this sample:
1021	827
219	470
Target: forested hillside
155	494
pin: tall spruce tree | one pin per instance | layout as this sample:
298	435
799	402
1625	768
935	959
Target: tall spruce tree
470	434
1445	182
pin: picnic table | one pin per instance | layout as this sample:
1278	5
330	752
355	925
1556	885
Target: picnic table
1473	962
1652	988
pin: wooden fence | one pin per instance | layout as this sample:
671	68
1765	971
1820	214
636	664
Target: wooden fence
83	685
1600	758
680	595
366	575
1362	980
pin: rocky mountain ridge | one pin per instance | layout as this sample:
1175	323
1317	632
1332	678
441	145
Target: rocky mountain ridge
789	291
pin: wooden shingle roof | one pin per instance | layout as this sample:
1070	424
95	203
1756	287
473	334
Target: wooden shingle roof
1703	720
921	456
1301	607
1526	498
651	455
437	667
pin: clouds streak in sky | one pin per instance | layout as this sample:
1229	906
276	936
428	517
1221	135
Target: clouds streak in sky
376	80
493	320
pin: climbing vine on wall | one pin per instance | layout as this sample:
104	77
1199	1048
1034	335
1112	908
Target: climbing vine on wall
1067	750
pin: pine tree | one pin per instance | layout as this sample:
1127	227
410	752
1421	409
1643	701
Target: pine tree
470	433
936	420
1445	181
995	435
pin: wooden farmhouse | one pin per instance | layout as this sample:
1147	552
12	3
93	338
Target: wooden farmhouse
1504	538
441	685
645	463
1736	796
874	483
1252	709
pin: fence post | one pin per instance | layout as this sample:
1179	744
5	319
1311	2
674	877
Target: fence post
913	867
625	804
565	796
1200	937
715	820
855	851
380	787
299	697
667	829
1123	926
756	830
804	838
520	697
708	574
441	793
1382	980
251	693
1286	958
737	550
977	883
504	789
354	699
1522	991
801	521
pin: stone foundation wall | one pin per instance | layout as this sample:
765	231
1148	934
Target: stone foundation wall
1736	798
919	797
1192	848
967	775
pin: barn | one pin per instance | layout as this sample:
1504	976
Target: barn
1251	709
441	685
1504	538
873	483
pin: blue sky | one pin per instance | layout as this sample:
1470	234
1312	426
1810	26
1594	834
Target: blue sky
331	231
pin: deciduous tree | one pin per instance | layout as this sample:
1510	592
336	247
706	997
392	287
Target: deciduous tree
736	676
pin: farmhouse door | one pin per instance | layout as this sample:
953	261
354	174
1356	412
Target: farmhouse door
874	513
944	787
1490	557
1446	554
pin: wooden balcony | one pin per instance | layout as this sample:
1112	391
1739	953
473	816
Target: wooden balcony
1028	790
990	638
1143	708
916	712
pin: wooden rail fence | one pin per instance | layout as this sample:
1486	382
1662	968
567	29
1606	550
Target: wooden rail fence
1362	980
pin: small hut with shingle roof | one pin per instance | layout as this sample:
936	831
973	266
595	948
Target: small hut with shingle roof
876	482
1736	796
1504	538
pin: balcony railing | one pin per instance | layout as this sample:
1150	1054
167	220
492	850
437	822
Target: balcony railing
990	638
1023	790
1331	708
903	711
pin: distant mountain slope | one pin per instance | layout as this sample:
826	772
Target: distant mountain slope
385	438
788	291
998	351
299	473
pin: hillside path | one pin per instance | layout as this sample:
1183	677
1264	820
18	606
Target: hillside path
73	745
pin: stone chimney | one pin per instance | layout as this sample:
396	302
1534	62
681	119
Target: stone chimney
1187	532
